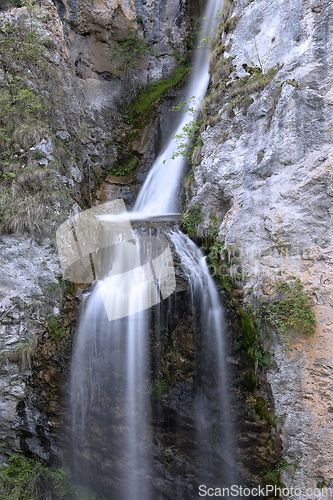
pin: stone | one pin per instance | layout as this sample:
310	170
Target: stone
46	148
313	253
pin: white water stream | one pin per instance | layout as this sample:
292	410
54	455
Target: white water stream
113	356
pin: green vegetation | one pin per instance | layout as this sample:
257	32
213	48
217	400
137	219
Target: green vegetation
126	168
30	93
252	342
152	92
21	353
163	384
206	41
288	310
273	476
189	139
25	349
56	331
219	260
218	263
127	53
241	92
251	381
31	479
262	61
191	220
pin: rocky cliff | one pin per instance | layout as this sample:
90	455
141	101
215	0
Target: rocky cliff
265	171
53	159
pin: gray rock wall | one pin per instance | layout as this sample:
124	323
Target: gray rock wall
272	165
29	271
93	27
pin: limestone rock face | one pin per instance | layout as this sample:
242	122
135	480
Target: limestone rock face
93	27
266	173
28	271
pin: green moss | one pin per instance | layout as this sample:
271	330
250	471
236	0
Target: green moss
251	339
251	381
151	93
261	409
249	332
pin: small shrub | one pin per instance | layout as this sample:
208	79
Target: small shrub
56	331
126	54
288	310
273	476
192	220
31	479
125	169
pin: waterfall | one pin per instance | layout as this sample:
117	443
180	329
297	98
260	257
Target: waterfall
159	193
110	374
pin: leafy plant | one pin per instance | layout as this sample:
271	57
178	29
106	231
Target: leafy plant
189	139
125	169
191	220
25	350
252	342
126	54
262	61
213	229
288	309
206	41
273	476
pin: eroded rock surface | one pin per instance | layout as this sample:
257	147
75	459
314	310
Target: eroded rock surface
267	153
93	27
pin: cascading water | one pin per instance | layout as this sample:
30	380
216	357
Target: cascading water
159	193
111	413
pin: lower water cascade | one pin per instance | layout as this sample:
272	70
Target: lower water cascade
119	377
